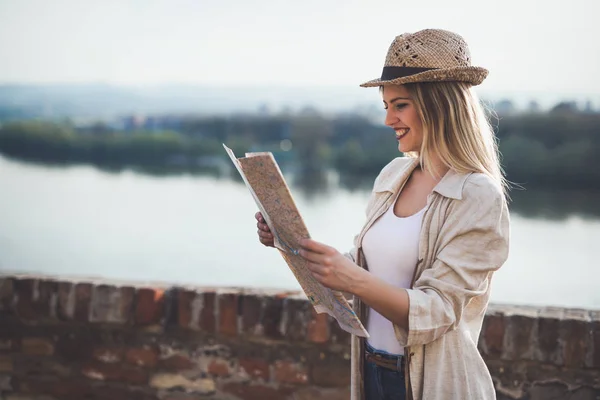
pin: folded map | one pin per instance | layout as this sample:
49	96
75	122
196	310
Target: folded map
272	195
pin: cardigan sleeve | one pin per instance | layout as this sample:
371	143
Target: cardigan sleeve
472	244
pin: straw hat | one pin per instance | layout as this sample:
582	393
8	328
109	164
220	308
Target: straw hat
430	55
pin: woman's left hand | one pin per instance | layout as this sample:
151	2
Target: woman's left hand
330	267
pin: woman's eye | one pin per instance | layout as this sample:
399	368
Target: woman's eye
400	106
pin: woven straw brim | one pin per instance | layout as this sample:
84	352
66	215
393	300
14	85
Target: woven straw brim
472	75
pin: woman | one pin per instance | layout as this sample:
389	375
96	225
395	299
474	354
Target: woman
437	228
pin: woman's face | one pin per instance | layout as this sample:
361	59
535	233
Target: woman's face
401	116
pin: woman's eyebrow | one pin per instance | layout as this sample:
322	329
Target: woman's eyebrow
398	98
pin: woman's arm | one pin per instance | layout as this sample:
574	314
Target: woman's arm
338	272
473	243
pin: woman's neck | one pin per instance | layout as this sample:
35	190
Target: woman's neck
436	168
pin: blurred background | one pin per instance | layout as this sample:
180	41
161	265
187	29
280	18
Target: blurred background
112	116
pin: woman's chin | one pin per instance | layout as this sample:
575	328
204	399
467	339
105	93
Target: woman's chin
403	149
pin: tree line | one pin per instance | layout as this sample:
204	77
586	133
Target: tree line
548	150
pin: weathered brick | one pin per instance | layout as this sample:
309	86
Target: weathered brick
208	321
43	293
596	344
9	345
290	372
219	367
183	396
121	393
272	317
228	312
74	347
522	332
298	313
313	393
171	381
548	334
5	383
6	293
330	371
176	362
112	304
493	335
115	372
255	368
83	300
34	299
149	306
37	346
256	392
65	308
184	307
318	328
24	293
337	335
6	364
21	396
108	354
552	390
575	334
42	366
63	388
143	356
251	314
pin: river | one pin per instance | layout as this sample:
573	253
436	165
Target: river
81	221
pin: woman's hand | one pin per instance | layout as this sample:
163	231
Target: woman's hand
264	233
330	267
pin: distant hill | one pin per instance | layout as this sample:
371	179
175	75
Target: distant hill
99	101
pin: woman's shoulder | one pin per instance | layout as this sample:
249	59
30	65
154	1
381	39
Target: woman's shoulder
482	189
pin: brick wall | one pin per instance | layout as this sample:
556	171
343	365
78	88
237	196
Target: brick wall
84	340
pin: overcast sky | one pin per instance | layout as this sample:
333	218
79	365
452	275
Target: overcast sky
528	45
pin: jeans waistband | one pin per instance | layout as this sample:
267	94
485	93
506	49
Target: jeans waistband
381	353
394	362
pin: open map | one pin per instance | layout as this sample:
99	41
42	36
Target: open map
265	182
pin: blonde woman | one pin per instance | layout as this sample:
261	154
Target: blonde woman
437	229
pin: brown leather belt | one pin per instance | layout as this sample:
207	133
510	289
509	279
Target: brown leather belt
391	364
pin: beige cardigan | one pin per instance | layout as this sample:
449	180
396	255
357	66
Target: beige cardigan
464	239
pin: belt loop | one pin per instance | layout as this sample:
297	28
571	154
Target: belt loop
399	363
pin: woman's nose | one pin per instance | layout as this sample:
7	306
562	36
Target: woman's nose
390	119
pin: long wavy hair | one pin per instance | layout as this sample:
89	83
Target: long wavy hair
456	129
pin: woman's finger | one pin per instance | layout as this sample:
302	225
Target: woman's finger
266	241
317	269
263	227
314	246
266	235
313	257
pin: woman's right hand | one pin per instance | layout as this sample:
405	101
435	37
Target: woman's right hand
264	233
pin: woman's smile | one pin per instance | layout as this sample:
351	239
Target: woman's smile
401	132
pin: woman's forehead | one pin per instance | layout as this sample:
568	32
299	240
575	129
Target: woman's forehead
393	91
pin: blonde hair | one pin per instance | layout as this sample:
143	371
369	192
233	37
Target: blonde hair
456	129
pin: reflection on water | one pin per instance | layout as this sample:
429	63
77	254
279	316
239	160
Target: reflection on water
549	204
200	229
556	204
318	183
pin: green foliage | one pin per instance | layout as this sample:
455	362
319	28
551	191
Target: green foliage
553	150
57	143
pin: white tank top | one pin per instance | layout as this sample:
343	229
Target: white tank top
391	250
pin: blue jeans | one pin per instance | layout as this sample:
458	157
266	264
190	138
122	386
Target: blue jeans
382	383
